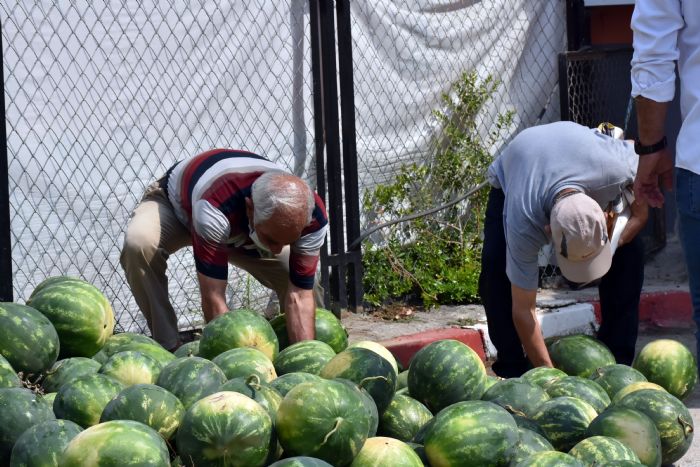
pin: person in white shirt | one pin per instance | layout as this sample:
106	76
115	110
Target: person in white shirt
666	37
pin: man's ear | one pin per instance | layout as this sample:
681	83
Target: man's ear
249	209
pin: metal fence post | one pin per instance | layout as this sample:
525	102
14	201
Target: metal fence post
5	239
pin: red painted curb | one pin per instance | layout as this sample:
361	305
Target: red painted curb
663	309
404	347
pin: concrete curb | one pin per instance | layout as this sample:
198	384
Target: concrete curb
662	309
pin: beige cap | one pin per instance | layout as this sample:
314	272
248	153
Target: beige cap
580	238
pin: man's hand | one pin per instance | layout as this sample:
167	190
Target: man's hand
300	309
527	326
213	292
650	169
639	214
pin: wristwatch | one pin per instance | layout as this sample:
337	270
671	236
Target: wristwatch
643	150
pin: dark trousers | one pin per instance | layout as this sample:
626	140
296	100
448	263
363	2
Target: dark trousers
619	293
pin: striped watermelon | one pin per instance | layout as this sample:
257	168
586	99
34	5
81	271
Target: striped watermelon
117	342
148	404
516	395
324	419
635	387
491	380
308	356
83	399
471	433
403	418
8	376
225	428
380	350
284	383
381	452
259	391
119	442
238	328
445	372
28	340
669	364
301	461
624	463
581	388
245	361
671	418
580	355
155	351
48	397
20	409
528	424
79	311
188	349
369	404
42	445
368	370
329	329
130	367
633	429
402	380
542	375
67	370
528	444
599	450
191	379
612	378
565	420
550	459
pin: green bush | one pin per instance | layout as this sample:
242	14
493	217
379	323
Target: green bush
435	258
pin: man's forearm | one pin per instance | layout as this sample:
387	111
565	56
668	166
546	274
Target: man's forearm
651	120
300	311
530	334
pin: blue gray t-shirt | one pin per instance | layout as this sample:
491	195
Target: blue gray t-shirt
539	163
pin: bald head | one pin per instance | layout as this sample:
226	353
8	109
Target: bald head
284	198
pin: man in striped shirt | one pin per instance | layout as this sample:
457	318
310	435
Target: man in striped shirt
231	207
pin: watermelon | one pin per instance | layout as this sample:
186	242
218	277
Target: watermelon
471	433
542	375
565	420
635	387
370	406
528	444
116	342
550	459
148	404
402	380
81	314
42	445
155	351
671	418
49	397
118	442
368	370
527	423
328	329
8	377
191	379
245	361
381	452
238	328
581	388
490	381
20	409
598	450
225	428
83	399
188	349
669	364
308	356
28	340
284	383
623	463
632	428
419	449
301	461
403	418
380	350
326	419
67	370
516	395
445	372
130	367
580	355
612	378
260	392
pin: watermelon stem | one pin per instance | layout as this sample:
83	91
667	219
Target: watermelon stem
515	411
370	378
336	426
253	381
687	427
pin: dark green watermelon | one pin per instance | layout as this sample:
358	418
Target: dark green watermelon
402	380
8	376
529	443
445	372
153	350
284	383
581	388
308	356
383	451
550	459
245	361
188	349
149	404
191	379
369	403
529	424
580	355
42	445
259	391
669	364
403	418
238	328
612	378
225	428
635	387
516	396
28	340
329	329
379	349
131	367
83	399
565	420
20	409
118	342
67	370
599	450
301	461
542	375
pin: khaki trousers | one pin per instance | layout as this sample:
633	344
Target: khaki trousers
152	235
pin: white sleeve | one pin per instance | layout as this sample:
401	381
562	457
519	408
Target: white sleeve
210	223
655	24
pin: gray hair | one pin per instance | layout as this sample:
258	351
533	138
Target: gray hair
279	191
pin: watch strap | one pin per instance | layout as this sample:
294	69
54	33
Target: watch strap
643	150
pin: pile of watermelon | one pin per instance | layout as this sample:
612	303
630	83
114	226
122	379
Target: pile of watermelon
72	393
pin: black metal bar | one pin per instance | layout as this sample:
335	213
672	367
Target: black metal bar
577	30
5	231
347	114
563	87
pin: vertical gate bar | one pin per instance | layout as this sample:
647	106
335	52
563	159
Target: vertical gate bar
564	86
347	110
5	230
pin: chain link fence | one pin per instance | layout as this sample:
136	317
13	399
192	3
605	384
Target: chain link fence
102	97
